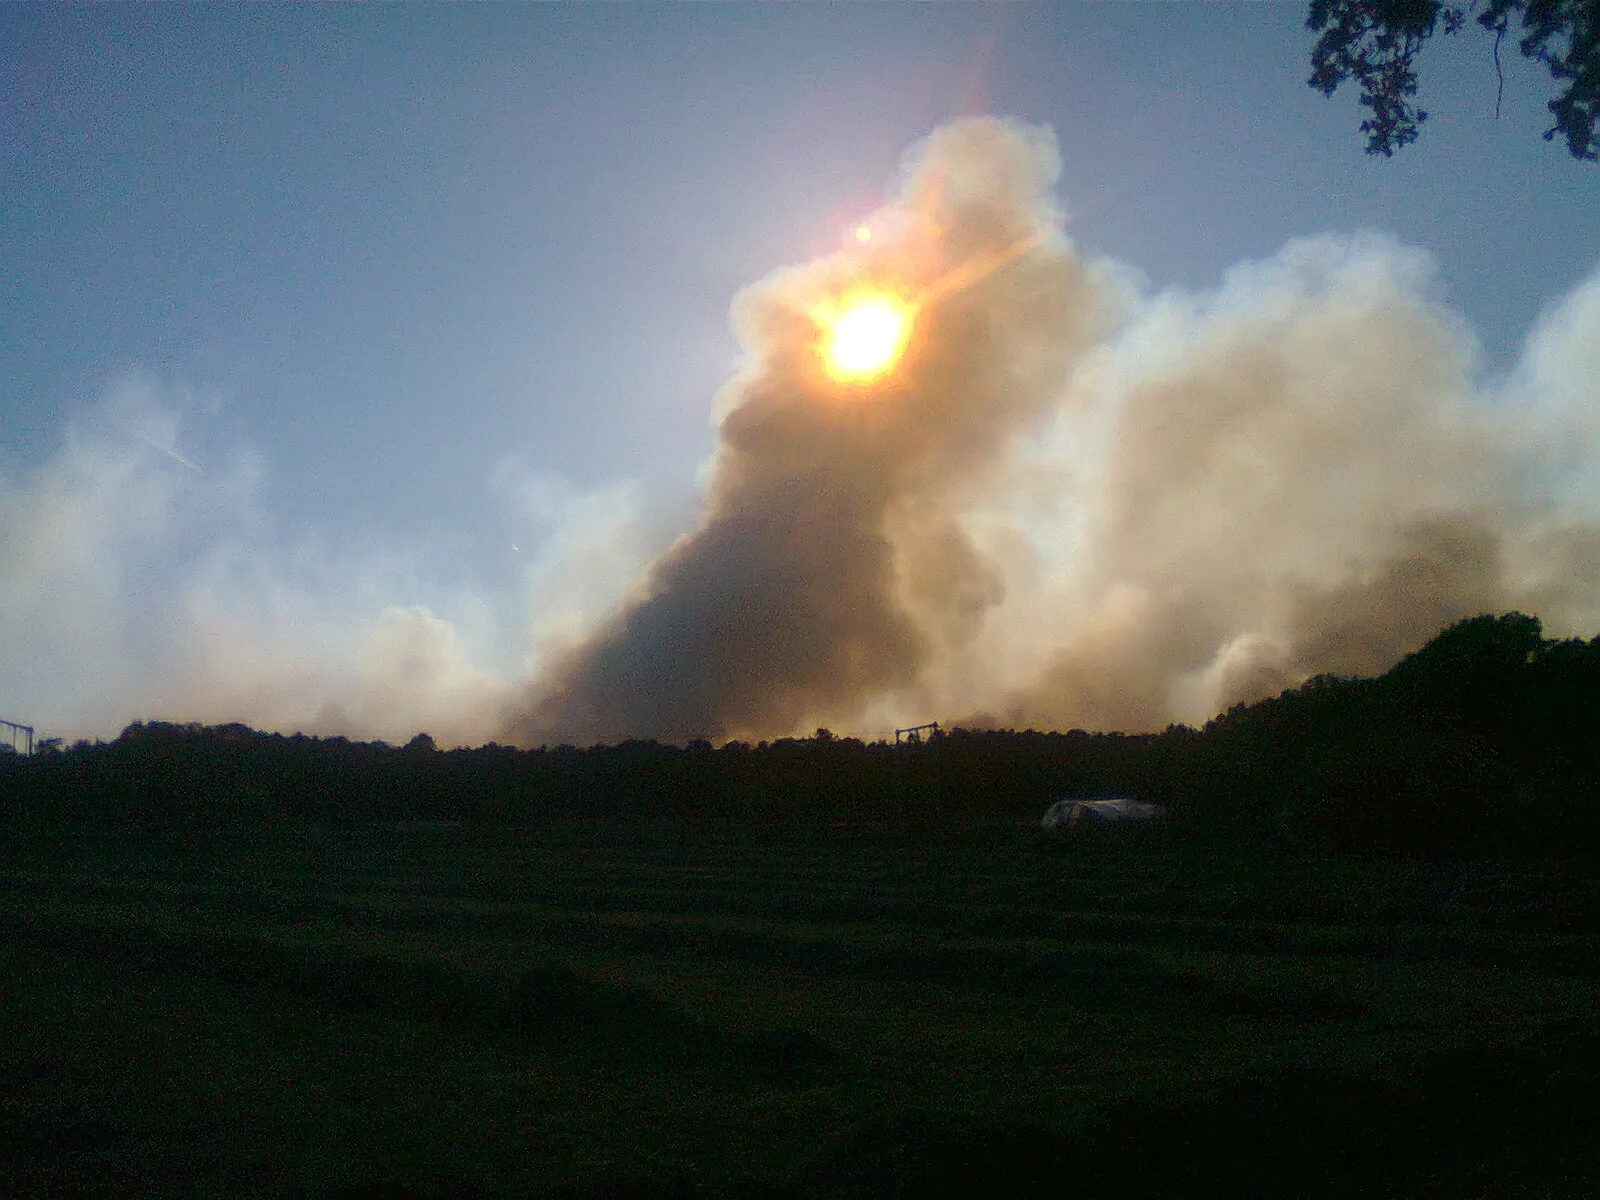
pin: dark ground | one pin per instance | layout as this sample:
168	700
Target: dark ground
681	1009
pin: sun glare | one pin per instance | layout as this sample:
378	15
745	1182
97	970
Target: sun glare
866	336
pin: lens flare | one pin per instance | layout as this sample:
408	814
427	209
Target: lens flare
865	336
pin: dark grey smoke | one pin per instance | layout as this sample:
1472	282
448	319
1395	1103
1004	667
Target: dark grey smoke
830	567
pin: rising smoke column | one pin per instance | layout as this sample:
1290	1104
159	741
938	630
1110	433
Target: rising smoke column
1301	471
1035	518
831	565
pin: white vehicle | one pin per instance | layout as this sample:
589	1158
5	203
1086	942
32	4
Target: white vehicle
1070	814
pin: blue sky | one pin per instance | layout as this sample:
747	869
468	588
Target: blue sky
382	260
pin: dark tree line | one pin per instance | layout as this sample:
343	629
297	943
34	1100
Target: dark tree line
1487	740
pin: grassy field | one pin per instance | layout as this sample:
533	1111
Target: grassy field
672	1009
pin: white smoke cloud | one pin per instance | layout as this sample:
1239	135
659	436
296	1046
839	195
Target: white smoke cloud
141	583
1299	473
1085	503
584	550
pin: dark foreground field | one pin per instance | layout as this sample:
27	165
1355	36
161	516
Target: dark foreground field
672	1009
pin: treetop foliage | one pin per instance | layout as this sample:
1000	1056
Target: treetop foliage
1376	44
1482	742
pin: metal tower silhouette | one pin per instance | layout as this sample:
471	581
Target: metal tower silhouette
13	729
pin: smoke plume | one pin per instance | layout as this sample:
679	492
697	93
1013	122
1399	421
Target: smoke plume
1070	502
831	564
1298	477
1074	506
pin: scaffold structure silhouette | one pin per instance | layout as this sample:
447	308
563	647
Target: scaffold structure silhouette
13	730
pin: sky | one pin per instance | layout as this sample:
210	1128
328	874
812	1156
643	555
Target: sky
357	363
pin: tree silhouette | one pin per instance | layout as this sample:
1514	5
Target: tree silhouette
1480	742
1376	44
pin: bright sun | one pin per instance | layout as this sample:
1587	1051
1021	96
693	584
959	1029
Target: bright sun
865	336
